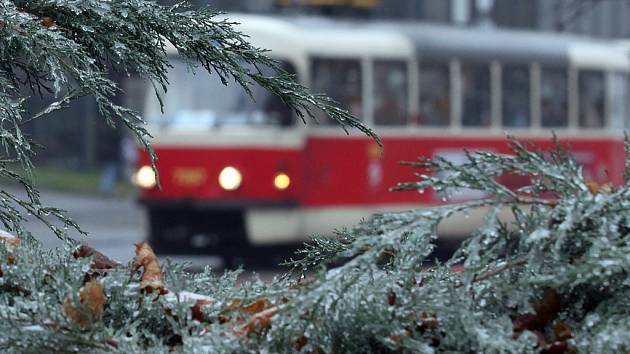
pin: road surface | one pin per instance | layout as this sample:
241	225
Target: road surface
114	225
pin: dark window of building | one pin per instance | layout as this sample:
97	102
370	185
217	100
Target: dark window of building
515	14
516	96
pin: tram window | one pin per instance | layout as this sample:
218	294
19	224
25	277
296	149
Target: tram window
476	95
516	96
390	93
553	97
275	107
591	96
341	80
435	97
618	89
194	101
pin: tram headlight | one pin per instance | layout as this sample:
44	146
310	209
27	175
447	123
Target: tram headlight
145	177
282	181
230	178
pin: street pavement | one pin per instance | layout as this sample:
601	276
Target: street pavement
115	224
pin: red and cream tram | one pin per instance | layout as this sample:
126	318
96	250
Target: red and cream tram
237	172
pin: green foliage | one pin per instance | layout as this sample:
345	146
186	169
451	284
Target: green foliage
552	278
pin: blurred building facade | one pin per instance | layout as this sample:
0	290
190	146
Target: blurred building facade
78	137
599	18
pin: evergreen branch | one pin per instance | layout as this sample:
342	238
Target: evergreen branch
55	106
498	270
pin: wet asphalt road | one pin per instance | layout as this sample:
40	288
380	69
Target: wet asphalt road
115	224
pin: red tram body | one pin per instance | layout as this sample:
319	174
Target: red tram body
416	84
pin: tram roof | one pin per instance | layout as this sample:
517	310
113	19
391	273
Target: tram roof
439	41
322	36
483	44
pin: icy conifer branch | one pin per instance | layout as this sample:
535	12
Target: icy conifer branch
553	278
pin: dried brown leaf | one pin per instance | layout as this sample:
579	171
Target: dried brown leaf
391	298
99	260
48	22
90	307
562	331
257	323
595	188
299	343
427	321
10	242
256	306
152	274
197	314
545	311
100	263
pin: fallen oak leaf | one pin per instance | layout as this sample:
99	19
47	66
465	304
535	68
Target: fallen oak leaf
90	307
197	314
48	22
152	274
257	323
233	305
100	263
10	241
391	298
595	188
224	315
99	260
427	321
256	306
545	311
299	343
111	342
562	331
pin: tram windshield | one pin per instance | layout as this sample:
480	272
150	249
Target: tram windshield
200	100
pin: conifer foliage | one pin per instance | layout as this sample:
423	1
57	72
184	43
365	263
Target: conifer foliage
553	278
